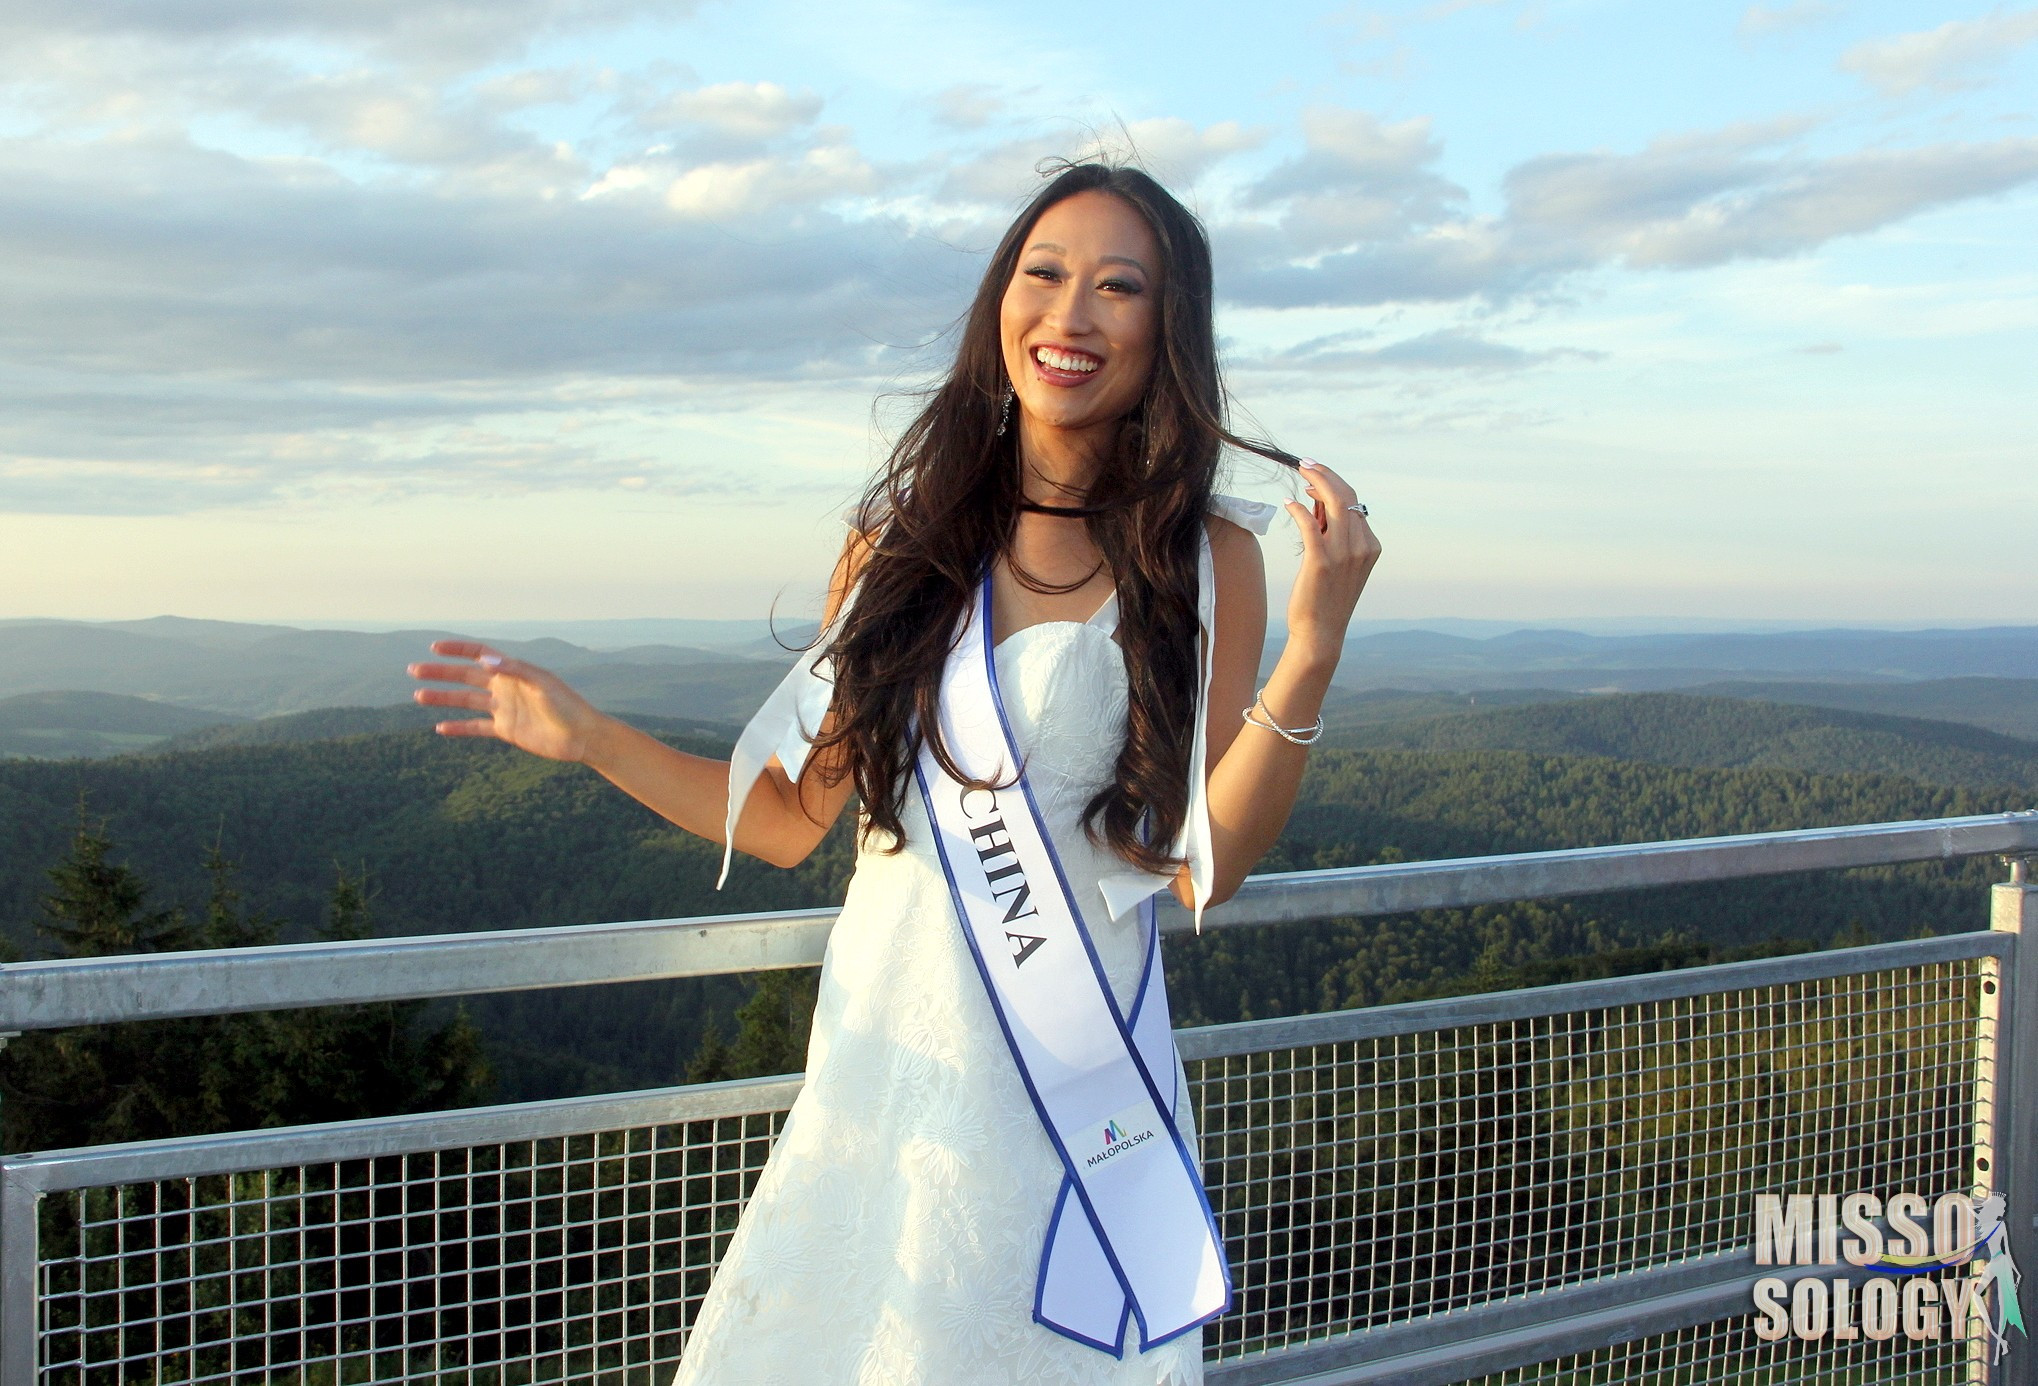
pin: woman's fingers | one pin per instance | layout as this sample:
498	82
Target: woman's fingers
465	649
1310	525
1334	498
468	726
472	674
477	700
1335	501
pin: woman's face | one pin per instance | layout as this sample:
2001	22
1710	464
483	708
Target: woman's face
1080	319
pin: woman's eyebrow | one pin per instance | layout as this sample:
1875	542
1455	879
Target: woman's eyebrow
1101	259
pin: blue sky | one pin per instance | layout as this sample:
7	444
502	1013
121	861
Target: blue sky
405	310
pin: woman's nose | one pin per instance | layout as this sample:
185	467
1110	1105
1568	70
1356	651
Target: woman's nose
1072	308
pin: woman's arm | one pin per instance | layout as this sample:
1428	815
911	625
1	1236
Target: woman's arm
535	710
1253	773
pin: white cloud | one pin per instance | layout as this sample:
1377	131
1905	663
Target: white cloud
752	111
1362	218
1947	58
964	107
770	186
1758	21
1454	349
1179	153
1707	205
446	35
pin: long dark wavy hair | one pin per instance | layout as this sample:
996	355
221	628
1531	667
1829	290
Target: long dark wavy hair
942	510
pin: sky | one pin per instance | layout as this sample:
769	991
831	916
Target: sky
392	311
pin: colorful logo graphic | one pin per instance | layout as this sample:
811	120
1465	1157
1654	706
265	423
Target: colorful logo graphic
1113	1133
1995	1287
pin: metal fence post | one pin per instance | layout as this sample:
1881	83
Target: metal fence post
19	1276
2013	909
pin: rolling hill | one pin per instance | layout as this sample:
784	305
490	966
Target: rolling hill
2009	706
59	725
1683	729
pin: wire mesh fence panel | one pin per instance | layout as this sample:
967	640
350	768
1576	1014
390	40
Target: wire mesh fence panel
567	1258
1727	1353
1383	1179
1357	1183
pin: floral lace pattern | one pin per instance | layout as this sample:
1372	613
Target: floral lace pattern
895	1233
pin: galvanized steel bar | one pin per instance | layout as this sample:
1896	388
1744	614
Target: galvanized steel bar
88	991
156	986
186	1157
1490	1008
1432	885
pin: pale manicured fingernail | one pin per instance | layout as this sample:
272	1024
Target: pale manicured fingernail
490	661
1311	463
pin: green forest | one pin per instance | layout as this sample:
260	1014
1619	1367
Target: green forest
293	837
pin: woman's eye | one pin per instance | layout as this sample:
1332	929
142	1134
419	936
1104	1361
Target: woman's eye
1043	272
1122	286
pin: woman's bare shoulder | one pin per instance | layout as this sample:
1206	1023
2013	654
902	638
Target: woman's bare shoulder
1233	547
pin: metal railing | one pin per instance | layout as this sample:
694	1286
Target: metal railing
1545	1185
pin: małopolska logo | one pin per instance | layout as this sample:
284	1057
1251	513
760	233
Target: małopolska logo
1905	1290
1118	1138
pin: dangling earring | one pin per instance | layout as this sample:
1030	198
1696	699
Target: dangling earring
1004	410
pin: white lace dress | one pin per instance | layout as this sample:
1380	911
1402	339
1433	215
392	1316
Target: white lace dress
894	1235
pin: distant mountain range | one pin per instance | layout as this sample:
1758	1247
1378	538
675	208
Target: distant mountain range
72	688
244	671
1632	663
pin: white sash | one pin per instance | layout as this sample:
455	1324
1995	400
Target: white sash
1146	1246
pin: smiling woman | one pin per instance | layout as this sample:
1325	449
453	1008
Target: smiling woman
1040	635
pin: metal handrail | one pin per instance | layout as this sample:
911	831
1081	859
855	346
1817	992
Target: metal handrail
92	991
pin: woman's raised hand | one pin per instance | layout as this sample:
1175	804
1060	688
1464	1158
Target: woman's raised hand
529	707
1338	553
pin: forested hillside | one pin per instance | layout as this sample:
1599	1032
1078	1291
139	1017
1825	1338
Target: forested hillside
2009	706
462	835
1682	729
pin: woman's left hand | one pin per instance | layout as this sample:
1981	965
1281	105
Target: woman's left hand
1339	550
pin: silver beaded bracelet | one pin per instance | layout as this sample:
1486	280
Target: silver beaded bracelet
1294	736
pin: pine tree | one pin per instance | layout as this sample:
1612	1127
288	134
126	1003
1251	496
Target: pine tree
96	907
772	1028
711	1062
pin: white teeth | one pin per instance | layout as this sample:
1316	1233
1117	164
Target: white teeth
1060	361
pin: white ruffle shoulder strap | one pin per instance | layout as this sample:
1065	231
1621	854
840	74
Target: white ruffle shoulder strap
793	713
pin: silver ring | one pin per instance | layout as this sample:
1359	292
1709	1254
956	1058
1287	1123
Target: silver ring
1359	509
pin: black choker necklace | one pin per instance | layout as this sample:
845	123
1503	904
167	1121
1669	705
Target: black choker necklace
1065	512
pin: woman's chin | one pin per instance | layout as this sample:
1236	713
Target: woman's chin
1058	417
